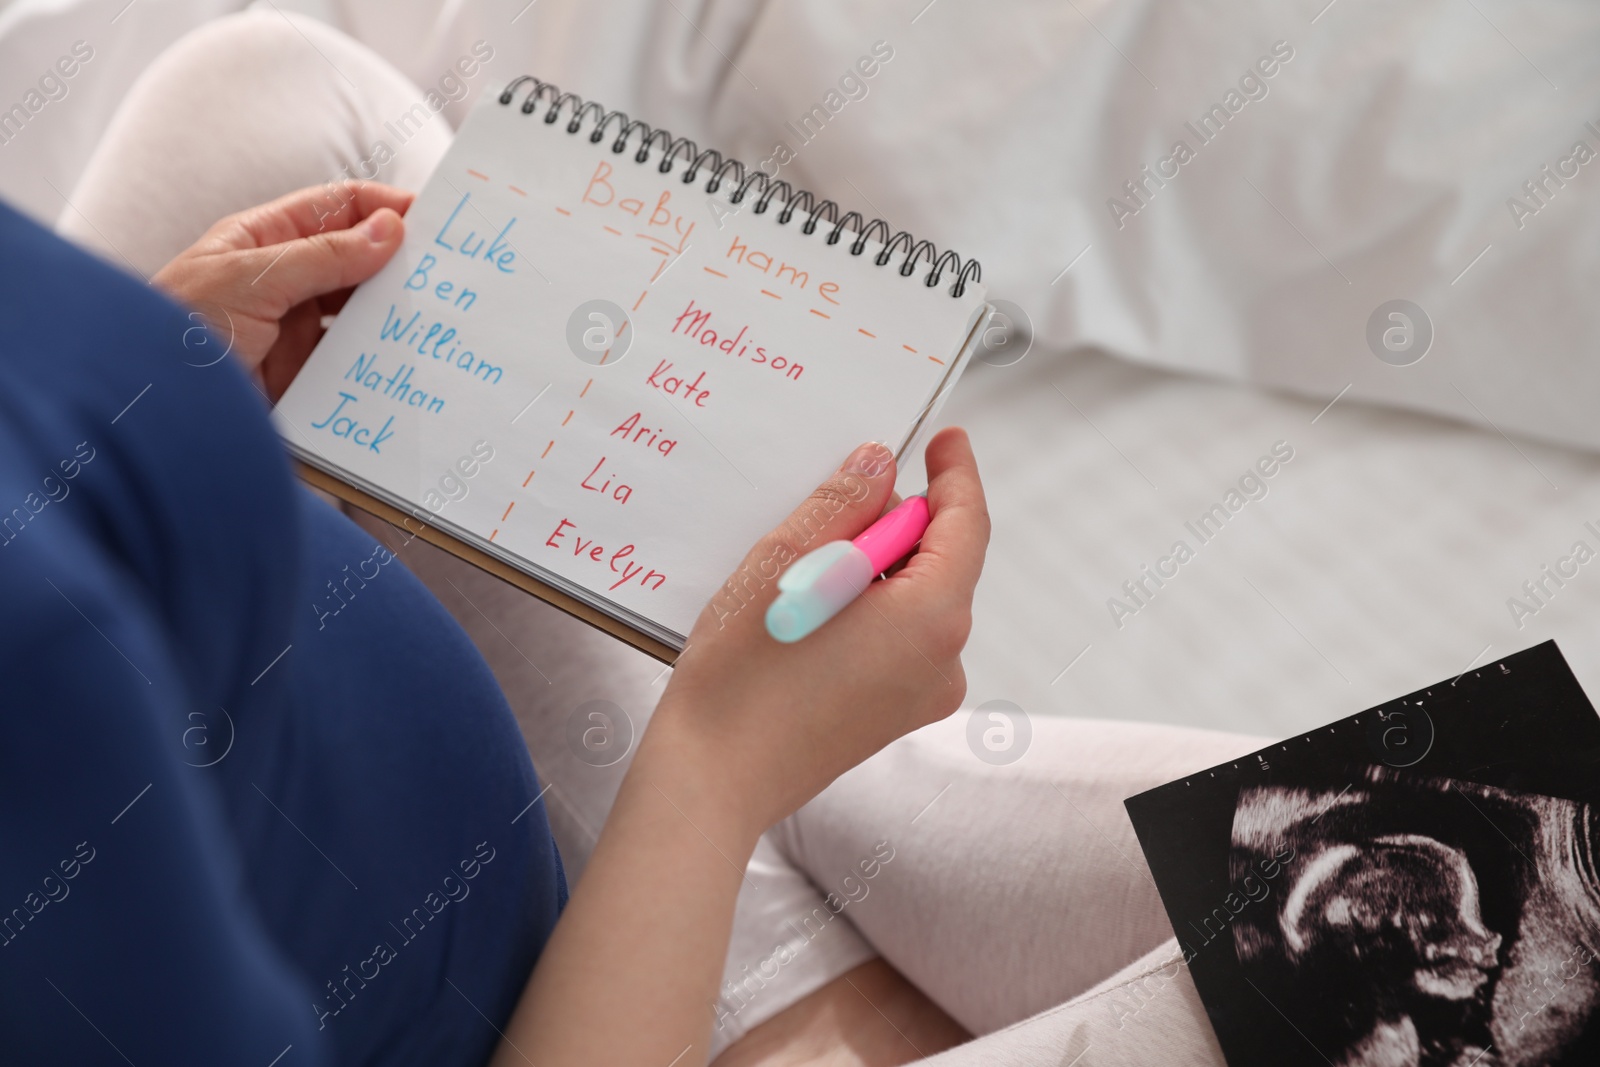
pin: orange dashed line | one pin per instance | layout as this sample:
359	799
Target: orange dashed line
608	229
908	348
586	388
824	314
603	357
639	301
496	530
564	211
718	273
621	329
567	419
509	507
546	451
774	296
869	333
475	174
514	189
937	360
529	478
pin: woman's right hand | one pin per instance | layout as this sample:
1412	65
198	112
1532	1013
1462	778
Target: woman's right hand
768	725
748	730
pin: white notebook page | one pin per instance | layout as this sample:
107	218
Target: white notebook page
759	357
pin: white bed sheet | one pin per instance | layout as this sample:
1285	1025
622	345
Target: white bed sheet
1381	559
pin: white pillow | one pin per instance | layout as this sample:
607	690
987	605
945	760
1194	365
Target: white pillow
1375	163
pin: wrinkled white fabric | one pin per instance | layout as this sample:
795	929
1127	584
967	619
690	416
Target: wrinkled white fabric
1377	162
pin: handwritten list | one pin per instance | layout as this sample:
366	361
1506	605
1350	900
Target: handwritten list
630	463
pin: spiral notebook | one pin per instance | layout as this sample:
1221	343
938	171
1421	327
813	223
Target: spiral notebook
1415	884
605	361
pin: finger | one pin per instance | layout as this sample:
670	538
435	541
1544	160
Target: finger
298	270
848	502
316	209
844	505
298	333
958	527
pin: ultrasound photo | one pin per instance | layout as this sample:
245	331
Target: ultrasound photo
1415	885
1446	923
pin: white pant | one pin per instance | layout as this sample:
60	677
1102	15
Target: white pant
1015	896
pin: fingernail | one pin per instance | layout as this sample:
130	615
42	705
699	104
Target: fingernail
870	460
379	226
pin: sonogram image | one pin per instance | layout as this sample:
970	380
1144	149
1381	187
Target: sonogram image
1414	885
1423	920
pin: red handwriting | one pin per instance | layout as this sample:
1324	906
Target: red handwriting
620	493
695	323
675	385
779	270
664	228
582	546
632	430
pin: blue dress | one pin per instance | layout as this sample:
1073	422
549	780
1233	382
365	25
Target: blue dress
261	801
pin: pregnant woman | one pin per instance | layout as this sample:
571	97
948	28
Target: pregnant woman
241	829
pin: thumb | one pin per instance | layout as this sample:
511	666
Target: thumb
294	271
848	502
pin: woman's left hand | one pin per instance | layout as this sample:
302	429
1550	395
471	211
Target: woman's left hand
264	278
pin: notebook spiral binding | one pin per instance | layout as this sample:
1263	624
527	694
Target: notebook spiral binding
711	160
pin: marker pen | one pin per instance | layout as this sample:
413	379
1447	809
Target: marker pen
819	584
